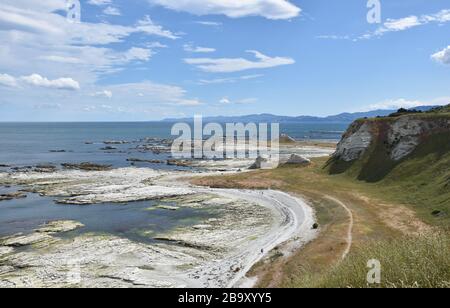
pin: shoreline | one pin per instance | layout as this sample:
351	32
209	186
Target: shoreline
214	252
290	220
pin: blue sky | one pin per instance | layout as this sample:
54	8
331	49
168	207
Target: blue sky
137	60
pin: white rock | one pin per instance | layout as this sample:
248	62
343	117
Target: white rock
5	251
27	240
354	145
298	160
404	135
60	226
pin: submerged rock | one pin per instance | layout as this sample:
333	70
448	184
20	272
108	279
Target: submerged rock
116	142
60	226
167	207
150	161
87	167
12	196
108	148
45	168
178	163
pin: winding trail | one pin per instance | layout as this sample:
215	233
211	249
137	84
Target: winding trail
350	226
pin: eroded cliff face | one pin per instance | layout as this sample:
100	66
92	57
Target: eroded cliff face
355	142
400	136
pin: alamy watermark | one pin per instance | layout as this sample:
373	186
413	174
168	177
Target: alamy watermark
227	141
374	14
374	274
73	8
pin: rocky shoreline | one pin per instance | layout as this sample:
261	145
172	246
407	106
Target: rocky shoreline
213	252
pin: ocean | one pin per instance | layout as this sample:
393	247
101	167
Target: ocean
23	144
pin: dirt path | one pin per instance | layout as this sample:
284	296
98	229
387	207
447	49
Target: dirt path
350	226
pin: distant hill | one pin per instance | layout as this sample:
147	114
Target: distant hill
261	118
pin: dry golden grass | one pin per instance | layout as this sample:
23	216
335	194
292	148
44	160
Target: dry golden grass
375	219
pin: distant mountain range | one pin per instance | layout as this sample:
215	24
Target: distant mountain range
270	118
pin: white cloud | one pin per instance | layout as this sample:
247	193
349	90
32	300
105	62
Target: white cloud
99	2
138	54
229	65
113	11
209	23
60	84
104	93
150	92
61	59
7	80
227	101
228	80
31	30
47	106
402	24
271	9
442	56
396	25
155	45
334	37
197	49
395	104
58	28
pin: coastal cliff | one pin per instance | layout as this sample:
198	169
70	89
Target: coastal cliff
408	153
400	136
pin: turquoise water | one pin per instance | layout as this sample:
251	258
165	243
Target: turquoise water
132	220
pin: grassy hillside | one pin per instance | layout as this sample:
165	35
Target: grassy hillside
421	180
407	262
384	229
389	200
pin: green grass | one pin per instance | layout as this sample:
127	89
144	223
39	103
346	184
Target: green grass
410	262
421	180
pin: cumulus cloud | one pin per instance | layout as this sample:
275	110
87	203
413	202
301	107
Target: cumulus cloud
442	56
270	9
33	31
229	65
60	84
